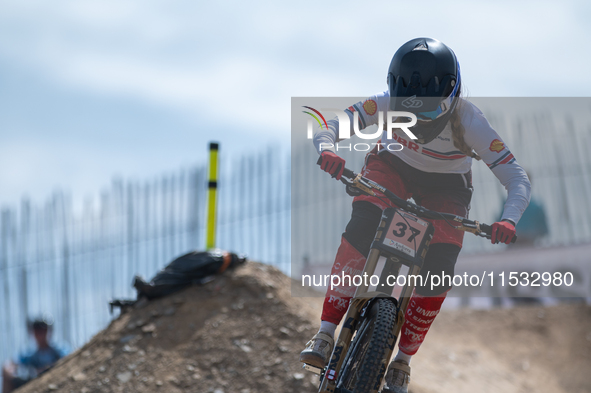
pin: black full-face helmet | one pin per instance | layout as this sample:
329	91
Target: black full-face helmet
424	78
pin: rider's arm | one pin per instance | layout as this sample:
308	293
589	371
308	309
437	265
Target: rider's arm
367	115
326	139
494	152
518	187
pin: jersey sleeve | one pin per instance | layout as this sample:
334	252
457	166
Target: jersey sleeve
364	112
485	141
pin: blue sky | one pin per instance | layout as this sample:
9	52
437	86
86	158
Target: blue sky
93	89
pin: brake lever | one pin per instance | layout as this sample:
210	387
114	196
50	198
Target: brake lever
361	184
346	180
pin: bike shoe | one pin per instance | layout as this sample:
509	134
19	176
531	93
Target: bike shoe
318	350
397	378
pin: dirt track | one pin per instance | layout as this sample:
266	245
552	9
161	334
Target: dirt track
243	333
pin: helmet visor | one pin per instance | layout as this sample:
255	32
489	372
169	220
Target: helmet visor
441	110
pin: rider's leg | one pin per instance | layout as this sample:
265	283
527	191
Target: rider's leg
349	260
422	309
439	262
426	302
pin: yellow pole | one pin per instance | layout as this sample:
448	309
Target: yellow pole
211	195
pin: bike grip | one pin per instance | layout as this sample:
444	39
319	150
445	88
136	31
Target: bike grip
349	173
487	229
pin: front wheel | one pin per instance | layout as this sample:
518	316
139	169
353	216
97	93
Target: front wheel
367	358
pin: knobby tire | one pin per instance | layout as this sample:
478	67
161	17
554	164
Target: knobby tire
366	359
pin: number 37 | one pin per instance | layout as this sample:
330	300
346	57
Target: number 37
402	227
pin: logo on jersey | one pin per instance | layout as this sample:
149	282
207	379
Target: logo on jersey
412	102
370	107
496	146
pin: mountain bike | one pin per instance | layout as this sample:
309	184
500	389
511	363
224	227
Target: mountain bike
372	325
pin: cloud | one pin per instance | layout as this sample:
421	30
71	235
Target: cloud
188	55
237	64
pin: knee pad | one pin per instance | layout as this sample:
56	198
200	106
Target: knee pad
440	259
361	229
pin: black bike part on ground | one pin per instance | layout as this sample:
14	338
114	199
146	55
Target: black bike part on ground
364	363
186	270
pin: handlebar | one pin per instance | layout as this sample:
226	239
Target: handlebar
366	186
346	172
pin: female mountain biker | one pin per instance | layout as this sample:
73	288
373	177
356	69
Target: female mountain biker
435	170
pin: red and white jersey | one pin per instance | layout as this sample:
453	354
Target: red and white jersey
440	155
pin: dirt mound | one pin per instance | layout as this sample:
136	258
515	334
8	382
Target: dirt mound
238	333
243	332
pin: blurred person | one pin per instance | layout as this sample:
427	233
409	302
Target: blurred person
32	363
434	169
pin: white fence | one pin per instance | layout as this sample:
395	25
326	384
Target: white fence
70	265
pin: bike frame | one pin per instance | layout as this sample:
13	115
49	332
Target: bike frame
397	253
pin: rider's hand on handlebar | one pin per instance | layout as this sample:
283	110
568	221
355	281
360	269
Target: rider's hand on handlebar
332	164
503	232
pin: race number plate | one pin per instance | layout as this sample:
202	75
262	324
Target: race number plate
405	233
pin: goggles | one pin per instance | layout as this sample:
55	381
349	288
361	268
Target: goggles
443	107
